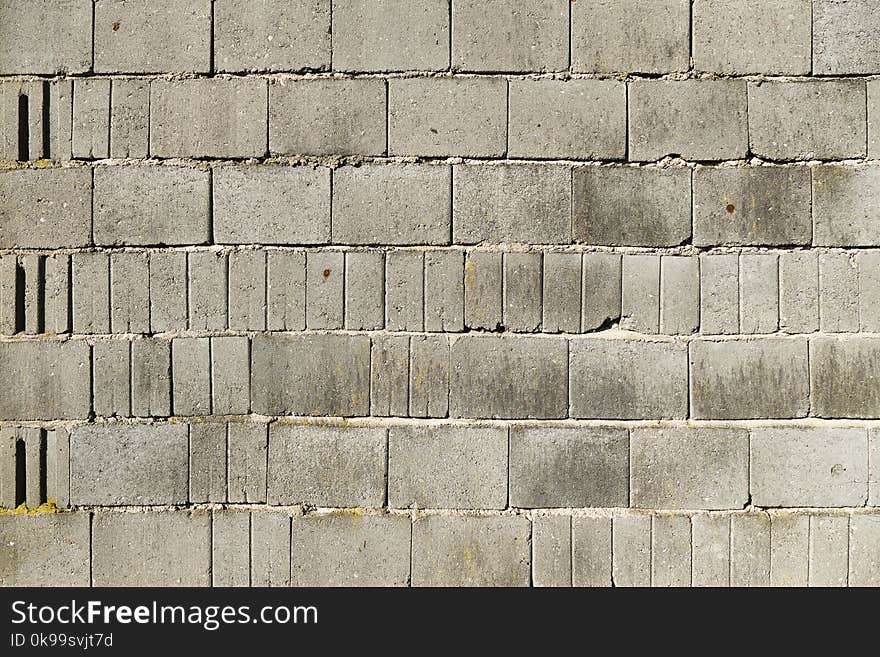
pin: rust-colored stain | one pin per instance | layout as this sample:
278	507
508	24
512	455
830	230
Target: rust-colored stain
326	272
731	208
115	26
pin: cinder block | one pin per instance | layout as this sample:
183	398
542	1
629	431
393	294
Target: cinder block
191	376
392	204
340	550
389	376
798	292
838	293
694	119
25	114
209	117
842	376
447	467
383	35
128	464
628	379
164	36
719	294
510	377
33	441
429	376
405	291
327	466
45	550
51	380
45	208
844	209
873	467
111	369
444	291
285	290
621	206
601	290
270	549
151	205
752	36
631	551
207	290
56	294
551	551
830	125
437	117
521	292
58	467
711	549
864	550
364	290
750	550
741	379
247	447
689	468
60	120
629	36
32	270
91	118
178	542
471	551
640	293
230	376
9	493
562	467
129	119
574	119
271	35
873	119
151	378
507	35
325	283
679	295
758	293
789	549
91	292
829	550
230	548
868	263
271	205
842	37
130	292
168	293
247	290
752	205
483	290
207	462
527	203
9	304
310	375
46	37
561	293
670	550
591	552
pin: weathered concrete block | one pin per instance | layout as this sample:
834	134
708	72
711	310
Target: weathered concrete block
310	374
623	206
444	291
671	560
842	41
447	467
750	550
405	291
57	467
429	376
327	466
561	467
511	203
392	204
285	290
436	117
325	282
631	551
230	548
168	293
129	119
601	290
111	372
798	292
737	379
350	550
711	549
789	549
574	119
561	293
45	36
208	284
271	35
752	36
868	263
157	37
591	552
247	291
51	380
829	550
843	376
179	545
151	378
758	293
873	119
627	379
694	119
389	376
31	272
864	550
191	376
679	295
247	459
230	376
640	293
521	291
26	115
483	307
551	551
270	549
689	468
838	292
56	294
130	292
808	120
60	120
844	208
471	551
91	118
9	299
45	550
134	464
364	290
207	462
91	292
510	377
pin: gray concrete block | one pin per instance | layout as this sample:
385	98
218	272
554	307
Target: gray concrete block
844	209
741	379
842	37
789	549
843	376
209	117
247	459
798	292
355	550
752	36
444	291
230	375
46	36
178	542
750	550
631	551
838	293
527	203
521	291
45	550
873	119
873	467
679	295
151	205
168	291
711	549
429	376
34	444
91	118
601	296
689	468
45	208
271	205
271	35
719	294
471	551
310	375
364	290
551	551
591	552
392	204
32	268
285	290
574	119
91	292
129	119
270	549
208	285
389	376
207	463
670	550
561	293
325	284
758	293
830	121
10	92
483	290
150	378
9	304
247	290
864	550
133	464
694	119
752	205
868	263
640	293
56	294
383	35
628	379
58	467
52	380
60	120
437	117
111	369
562	467
504	35
191	376
510	377
621	206
162	37
8	468
130	292
405	291
327	466
230	548
829	550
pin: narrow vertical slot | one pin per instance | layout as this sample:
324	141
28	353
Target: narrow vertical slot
47	141
23	129
43	471
40	287
20	472
20	286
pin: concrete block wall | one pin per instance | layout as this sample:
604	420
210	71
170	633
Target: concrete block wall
386	293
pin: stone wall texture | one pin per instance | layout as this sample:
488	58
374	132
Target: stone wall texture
440	292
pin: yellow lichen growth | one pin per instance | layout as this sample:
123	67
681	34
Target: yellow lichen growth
24	510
